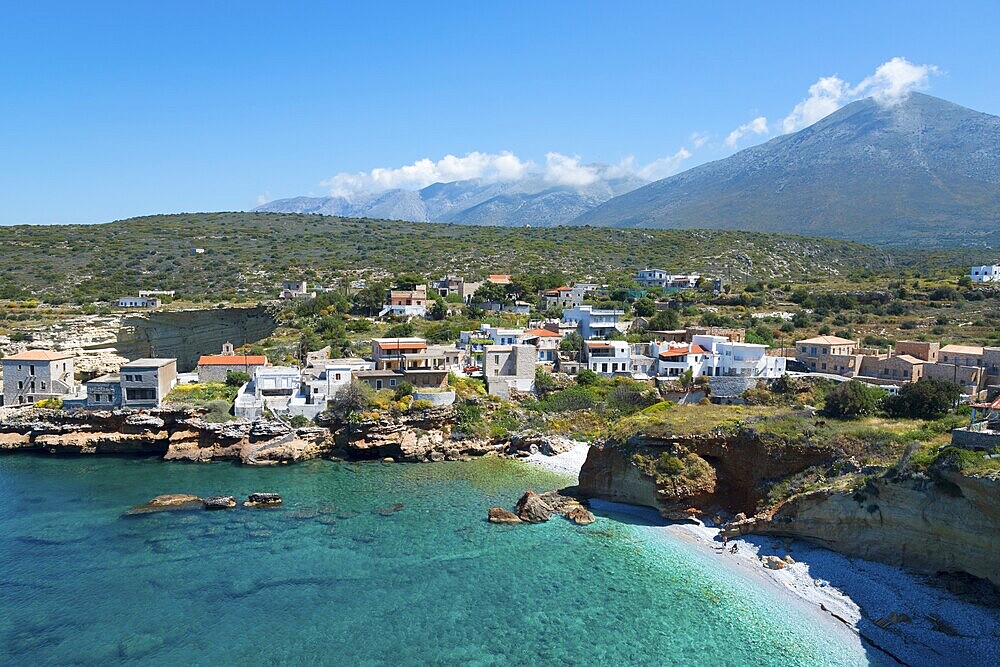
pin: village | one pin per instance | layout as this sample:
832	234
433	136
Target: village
716	363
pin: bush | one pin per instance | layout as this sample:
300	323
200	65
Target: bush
237	378
572	398
298	421
544	382
926	399
217	411
587	378
853	399
403	389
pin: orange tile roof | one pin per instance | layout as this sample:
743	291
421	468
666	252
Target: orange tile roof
682	351
598	346
232	360
403	346
39	355
542	333
499	278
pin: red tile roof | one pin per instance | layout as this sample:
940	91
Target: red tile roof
542	333
39	355
232	360
402	346
682	351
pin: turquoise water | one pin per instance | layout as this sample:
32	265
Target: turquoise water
329	579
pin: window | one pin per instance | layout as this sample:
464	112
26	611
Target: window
128	378
43	385
137	378
496	359
392	383
31	369
337	376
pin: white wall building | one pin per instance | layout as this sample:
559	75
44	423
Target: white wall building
985	274
592	323
660	278
139	302
717	356
608	357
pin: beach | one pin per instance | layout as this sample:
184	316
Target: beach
924	623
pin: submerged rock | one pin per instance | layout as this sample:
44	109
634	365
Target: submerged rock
262	500
219	502
387	511
501	515
169	502
579	515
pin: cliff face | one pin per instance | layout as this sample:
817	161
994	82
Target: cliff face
738	471
950	525
188	334
946	522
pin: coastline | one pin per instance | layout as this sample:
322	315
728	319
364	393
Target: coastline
924	624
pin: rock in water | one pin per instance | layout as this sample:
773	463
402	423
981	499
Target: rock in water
262	500
579	515
219	502
501	515
533	508
170	502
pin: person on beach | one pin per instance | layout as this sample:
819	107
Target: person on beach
734	549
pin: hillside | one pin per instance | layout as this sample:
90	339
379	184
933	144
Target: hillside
248	254
922	173
533	202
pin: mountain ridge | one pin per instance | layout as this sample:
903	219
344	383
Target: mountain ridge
923	171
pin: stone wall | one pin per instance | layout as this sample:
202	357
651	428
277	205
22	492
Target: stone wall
731	386
963	437
438	398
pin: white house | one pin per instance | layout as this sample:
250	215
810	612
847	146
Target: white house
608	357
717	356
139	302
272	387
985	274
592	323
660	278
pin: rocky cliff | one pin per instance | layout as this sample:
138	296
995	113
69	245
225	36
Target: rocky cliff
938	522
948	524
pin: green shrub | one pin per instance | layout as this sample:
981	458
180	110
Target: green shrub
237	378
853	399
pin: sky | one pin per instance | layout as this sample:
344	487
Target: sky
111	110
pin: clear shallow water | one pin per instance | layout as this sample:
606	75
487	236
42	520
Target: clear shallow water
327	579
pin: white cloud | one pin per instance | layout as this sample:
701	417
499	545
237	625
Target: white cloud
699	139
490	167
891	82
559	169
665	166
263	198
757	126
567	170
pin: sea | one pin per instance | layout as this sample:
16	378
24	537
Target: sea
363	564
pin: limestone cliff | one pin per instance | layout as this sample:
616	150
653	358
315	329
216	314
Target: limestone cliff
951	524
938	522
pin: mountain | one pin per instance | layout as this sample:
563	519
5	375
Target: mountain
532	201
923	172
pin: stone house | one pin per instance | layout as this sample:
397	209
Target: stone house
406	303
36	375
509	368
215	367
961	355
146	382
898	368
921	350
814	352
104	392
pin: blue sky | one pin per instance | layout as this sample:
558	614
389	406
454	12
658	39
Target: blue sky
110	110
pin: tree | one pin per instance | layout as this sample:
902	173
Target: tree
402	330
644	307
355	397
237	378
439	310
853	399
587	377
370	299
665	320
543	380
571	343
926	399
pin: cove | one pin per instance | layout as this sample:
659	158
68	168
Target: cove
336	576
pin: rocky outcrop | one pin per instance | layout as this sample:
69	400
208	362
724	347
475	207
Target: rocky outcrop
219	502
949	524
501	515
262	500
420	437
736	471
171	502
526	444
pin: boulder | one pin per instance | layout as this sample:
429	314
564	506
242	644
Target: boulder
170	502
532	508
773	563
219	502
789	560
578	514
501	515
262	500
